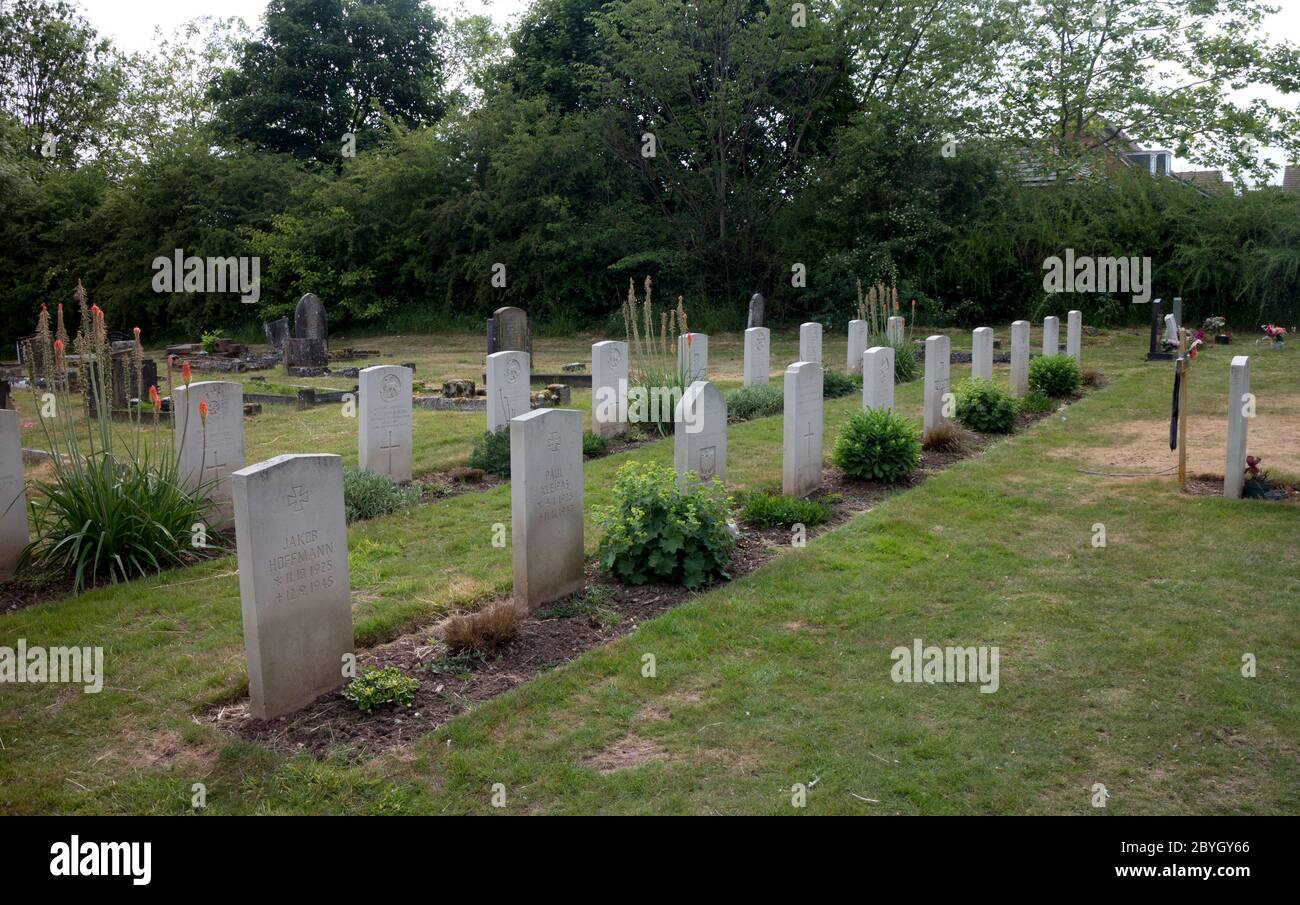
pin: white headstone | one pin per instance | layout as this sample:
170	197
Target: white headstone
546	505
1051	335
1238	388
857	344
292	544
878	378
693	356
801	451
384	432
508	375
1019	358
1074	335
209	449
609	388
894	330
981	358
758	349
810	342
700	438
13	495
938	365
1171	330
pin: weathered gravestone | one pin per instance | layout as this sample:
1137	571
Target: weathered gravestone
276	332
755	311
1156	352
304	352
1051	335
693	356
1238	405
507	388
801	447
1171	331
1177	311
309	319
546	505
878	378
509	331
1074	335
700	435
13	496
609	388
894	330
981	357
857	344
1019	358
810	342
384	427
209	449
758	348
292	545
938	366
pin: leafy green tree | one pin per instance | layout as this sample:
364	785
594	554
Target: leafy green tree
323	70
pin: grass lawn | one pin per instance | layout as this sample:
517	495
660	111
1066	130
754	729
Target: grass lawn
1119	665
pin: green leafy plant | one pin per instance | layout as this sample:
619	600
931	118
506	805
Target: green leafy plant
491	452
377	687
656	531
836	383
905	367
593	447
878	445
368	494
209	341
591	606
1036	402
985	406
770	510
1055	375
758	401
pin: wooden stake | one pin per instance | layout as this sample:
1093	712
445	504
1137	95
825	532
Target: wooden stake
1186	373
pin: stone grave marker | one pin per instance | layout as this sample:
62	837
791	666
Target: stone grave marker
609	388
209	450
758	349
981	359
1234	467
507	388
510	331
309	319
801	448
1177	310
13	495
878	378
1074	335
304	352
894	330
857	345
276	332
755	311
810	342
384	425
292	545
1019	358
693	356
700	435
546	505
1051	335
938	366
1171	331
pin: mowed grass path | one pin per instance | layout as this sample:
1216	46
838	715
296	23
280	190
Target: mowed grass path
1118	665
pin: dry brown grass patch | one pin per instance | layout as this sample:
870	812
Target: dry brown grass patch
484	631
947	436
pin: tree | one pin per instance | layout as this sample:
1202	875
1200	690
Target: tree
324	70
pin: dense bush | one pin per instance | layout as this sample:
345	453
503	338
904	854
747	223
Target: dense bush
905	366
491	452
758	401
655	531
836	383
877	445
1036	402
593	447
377	687
985	406
1055	375
769	510
368	494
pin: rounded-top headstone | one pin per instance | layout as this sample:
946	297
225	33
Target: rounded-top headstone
309	318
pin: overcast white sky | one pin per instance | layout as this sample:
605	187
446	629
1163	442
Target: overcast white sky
131	24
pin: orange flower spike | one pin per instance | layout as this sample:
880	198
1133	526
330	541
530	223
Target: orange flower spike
136	331
97	311
203	411
185	372
58	347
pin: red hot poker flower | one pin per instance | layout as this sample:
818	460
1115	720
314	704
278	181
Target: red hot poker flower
203	410
185	371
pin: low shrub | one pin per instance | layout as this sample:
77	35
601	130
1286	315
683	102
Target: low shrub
985	406
1036	402
1093	378
590	605
1055	375
483	631
491	452
655	531
770	510
877	445
947	436
377	687
368	494
836	383
593	447
758	401
905	367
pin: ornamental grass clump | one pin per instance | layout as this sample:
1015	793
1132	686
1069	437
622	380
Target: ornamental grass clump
117	506
658	532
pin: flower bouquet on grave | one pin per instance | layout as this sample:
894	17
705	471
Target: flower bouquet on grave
1275	333
1258	485
1218	327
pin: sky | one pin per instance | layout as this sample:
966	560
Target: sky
131	24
